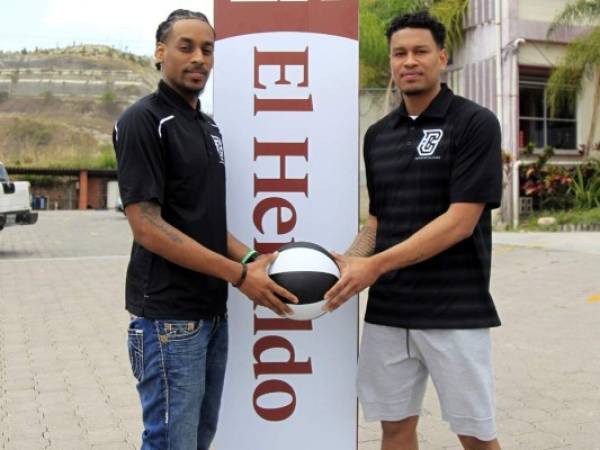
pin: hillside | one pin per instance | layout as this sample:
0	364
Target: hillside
57	107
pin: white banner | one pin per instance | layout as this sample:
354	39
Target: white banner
286	102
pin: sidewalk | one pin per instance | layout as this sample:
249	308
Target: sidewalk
65	381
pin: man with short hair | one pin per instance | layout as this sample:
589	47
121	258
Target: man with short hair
434	173
171	172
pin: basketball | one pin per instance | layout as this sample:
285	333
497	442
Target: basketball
308	271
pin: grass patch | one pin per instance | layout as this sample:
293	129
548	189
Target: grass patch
47	181
568	217
106	159
43	142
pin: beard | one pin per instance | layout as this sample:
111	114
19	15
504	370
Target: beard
190	90
413	91
187	87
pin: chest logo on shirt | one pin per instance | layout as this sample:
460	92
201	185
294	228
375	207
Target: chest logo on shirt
219	146
430	141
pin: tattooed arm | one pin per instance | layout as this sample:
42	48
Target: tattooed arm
356	266
152	232
364	243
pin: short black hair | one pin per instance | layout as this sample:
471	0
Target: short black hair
420	19
165	27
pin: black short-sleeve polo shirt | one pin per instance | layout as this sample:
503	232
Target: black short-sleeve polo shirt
172	154
415	169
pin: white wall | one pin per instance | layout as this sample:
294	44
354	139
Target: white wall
539	10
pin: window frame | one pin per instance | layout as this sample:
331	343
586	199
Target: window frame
542	74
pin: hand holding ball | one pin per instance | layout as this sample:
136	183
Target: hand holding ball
308	271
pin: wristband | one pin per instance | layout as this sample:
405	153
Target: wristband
250	256
242	276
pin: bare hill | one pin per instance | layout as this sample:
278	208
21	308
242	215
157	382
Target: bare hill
57	107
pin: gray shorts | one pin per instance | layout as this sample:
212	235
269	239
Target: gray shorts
394	364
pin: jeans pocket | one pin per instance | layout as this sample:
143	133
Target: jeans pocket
135	345
180	330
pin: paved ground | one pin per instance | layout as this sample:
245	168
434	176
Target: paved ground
65	382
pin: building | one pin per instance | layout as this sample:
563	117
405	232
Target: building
504	64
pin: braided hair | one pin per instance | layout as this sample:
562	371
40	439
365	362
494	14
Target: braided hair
165	27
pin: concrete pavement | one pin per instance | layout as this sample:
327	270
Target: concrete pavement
65	380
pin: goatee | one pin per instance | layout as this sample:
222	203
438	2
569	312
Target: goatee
411	92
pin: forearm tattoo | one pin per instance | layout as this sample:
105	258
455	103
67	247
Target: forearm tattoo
364	243
150	213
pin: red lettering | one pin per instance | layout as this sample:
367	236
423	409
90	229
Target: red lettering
273	367
281	150
279	324
279	204
283	360
273	387
281	59
282	104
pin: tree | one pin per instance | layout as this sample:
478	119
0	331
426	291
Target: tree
451	13
581	60
375	16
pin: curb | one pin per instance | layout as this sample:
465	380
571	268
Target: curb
580	227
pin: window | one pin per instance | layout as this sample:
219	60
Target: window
536	125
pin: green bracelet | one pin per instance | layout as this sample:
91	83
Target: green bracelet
250	256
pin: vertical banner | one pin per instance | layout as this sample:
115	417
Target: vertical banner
286	101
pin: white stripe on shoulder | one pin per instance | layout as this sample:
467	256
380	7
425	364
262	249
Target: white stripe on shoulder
116	132
160	124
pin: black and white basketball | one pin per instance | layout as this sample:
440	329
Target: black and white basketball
308	271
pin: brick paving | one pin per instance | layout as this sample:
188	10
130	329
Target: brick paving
65	380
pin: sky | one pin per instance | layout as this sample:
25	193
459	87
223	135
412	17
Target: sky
125	24
128	25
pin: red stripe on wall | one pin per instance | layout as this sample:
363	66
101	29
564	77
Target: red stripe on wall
334	17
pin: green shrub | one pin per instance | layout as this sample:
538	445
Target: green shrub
109	101
108	98
569	217
585	188
106	159
43	180
557	188
547	185
47	96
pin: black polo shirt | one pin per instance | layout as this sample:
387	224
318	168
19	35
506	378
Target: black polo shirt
415	169
172	154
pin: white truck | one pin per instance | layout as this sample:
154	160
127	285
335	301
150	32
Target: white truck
15	202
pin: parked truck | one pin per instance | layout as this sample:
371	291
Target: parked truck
15	202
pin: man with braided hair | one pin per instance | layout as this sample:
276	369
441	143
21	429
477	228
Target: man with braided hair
171	172
434	172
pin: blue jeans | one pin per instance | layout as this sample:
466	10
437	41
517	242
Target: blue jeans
180	369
